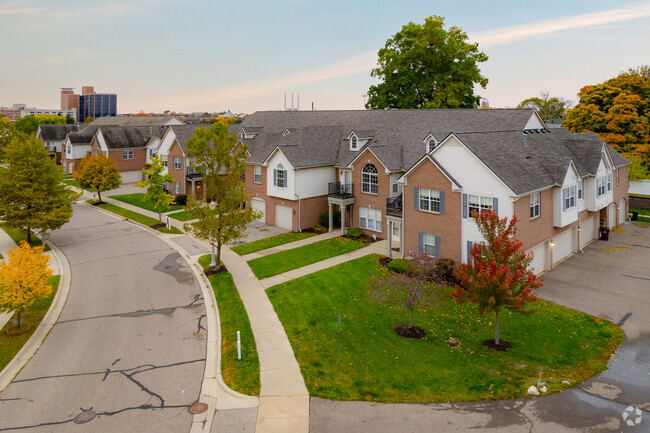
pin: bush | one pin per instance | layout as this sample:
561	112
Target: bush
446	269
181	199
354	232
324	219
401	266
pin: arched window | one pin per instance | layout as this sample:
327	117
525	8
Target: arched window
280	177
369	179
431	145
353	142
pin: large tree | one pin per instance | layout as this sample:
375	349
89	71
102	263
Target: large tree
32	195
23	279
549	107
426	66
155	182
498	275
223	213
618	111
7	133
29	124
98	172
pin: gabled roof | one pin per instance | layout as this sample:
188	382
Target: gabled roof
183	133
120	137
136	121
55	132
84	136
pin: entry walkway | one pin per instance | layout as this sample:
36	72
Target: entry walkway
290	245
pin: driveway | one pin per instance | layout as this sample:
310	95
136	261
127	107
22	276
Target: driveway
610	280
130	343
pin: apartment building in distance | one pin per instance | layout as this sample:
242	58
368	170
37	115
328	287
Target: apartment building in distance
21	110
89	103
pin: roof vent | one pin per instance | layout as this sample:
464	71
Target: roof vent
528	157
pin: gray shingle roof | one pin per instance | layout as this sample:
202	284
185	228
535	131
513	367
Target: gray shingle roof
185	132
84	136
56	132
132	121
120	137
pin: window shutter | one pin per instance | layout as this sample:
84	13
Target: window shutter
437	248
442	202
416	198
284	178
420	242
563	200
275	177
495	205
464	205
470	244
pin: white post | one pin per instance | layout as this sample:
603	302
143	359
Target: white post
168	223
238	346
390	238
331	227
343	218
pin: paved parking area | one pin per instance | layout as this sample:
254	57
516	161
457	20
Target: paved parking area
610	280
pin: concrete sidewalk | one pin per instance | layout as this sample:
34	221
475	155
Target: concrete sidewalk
375	248
290	245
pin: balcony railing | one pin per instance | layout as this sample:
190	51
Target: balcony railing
341	190
394	206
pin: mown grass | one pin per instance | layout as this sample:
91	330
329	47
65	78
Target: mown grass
270	242
242	375
19	235
182	216
284	261
142	219
32	317
378	365
644	214
71	182
140	201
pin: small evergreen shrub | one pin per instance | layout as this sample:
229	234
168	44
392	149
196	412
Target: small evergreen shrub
324	219
355	232
181	199
401	266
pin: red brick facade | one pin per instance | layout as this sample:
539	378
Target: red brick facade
177	173
369	200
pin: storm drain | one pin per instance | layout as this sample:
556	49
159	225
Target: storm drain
197	407
85	416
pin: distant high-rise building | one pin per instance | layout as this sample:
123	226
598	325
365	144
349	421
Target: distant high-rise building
89	103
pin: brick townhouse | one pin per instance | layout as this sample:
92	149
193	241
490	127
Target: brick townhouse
414	176
53	137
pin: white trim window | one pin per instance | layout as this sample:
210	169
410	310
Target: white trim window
581	187
429	200
354	142
568	197
127	154
600	186
257	174
478	203
429	244
280	177
370	219
431	144
177	188
534	205
369	179
164	161
68	149
177	162
609	182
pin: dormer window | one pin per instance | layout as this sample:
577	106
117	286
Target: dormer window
431	145
354	142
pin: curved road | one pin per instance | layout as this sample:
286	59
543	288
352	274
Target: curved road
130	342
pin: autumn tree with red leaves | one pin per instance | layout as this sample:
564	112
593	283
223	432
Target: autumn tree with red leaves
499	274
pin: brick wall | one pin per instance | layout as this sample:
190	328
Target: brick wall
531	232
446	226
374	201
310	210
177	174
137	163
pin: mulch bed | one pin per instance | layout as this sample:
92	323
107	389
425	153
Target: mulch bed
158	226
16	332
384	261
315	230
214	270
503	346
414	332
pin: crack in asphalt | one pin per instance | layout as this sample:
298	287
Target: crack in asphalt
634	276
519	411
139	313
200	326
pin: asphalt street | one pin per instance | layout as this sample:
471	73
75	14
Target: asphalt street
129	345
611	280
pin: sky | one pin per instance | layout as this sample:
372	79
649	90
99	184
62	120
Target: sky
215	55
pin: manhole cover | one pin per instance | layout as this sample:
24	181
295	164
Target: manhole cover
198	407
84	417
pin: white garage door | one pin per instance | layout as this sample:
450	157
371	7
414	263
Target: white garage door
259	205
563	245
540	257
131	176
611	215
622	213
588	230
283	217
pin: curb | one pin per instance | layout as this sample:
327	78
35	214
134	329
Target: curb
214	392
32	345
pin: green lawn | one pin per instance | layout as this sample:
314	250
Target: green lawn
644	214
284	261
270	242
140	201
142	219
378	365
181	216
18	236
10	346
242	375
71	182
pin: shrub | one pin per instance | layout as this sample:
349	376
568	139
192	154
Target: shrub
401	266
181	199
324	219
355	232
446	269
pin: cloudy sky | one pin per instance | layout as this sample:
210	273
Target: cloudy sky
213	55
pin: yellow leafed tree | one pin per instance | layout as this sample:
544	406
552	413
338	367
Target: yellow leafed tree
24	278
